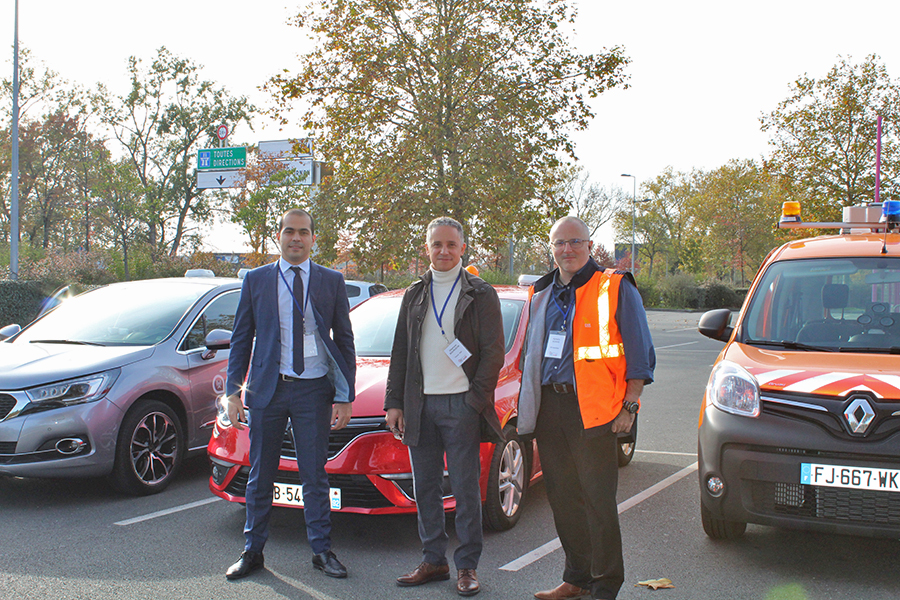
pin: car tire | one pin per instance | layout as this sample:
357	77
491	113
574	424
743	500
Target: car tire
149	449
720	529
625	452
507	483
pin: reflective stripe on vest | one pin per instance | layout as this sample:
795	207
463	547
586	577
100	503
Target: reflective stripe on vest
598	350
604	349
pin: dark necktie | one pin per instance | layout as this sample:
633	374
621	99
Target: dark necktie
298	322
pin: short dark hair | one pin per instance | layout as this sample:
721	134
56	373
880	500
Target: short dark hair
302	213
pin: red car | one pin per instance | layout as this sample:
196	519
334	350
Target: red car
368	469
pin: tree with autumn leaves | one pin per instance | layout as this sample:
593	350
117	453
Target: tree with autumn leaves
443	107
720	223
100	171
169	112
824	137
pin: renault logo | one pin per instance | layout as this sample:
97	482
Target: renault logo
859	415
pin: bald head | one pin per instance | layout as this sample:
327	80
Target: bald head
571	223
570	241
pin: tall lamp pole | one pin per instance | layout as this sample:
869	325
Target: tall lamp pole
14	134
633	197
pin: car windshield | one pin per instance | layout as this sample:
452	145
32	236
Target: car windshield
374	323
829	304
139	313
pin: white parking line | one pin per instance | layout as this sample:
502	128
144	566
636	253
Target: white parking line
675	345
667	453
168	511
296	583
538	553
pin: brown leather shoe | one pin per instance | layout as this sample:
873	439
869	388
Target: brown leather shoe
565	591
424	573
467	582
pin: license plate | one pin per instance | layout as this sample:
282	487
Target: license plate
288	494
857	478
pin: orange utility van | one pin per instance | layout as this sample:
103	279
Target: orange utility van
800	423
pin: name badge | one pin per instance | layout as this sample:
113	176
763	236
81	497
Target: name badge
309	345
457	353
556	341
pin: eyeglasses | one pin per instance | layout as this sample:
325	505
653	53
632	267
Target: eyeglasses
574	244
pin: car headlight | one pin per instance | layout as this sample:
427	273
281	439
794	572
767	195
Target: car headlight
221	414
733	389
75	391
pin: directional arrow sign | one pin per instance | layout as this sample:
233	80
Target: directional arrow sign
219	179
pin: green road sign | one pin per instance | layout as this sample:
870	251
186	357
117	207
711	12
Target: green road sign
222	158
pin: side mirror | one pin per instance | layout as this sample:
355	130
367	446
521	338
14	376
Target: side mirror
217	339
9	331
714	324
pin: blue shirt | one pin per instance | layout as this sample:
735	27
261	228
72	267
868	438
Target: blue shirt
561	305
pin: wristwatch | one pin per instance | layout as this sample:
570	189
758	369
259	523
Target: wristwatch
632	407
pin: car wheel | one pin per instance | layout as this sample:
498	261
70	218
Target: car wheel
720	529
149	450
507	483
625	452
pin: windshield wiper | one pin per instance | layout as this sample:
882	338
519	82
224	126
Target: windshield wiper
77	342
791	345
871	349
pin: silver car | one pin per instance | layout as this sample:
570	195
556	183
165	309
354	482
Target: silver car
116	382
360	291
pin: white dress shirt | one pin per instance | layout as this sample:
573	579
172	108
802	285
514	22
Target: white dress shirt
313	366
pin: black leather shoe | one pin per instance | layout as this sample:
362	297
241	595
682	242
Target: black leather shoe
328	563
248	563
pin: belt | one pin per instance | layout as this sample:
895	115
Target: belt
561	388
292	379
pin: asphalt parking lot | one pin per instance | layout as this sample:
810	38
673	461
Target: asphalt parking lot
71	539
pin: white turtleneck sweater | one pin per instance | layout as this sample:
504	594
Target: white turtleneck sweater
439	374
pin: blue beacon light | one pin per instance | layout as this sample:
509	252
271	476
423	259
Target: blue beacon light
890	212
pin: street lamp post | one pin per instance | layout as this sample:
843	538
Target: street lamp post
14	168
633	197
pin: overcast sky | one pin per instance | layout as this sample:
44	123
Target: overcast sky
702	71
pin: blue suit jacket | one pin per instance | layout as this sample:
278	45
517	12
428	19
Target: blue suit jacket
257	317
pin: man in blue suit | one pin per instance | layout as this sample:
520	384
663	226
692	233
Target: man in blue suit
302	367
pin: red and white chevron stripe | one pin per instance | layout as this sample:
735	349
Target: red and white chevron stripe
826	383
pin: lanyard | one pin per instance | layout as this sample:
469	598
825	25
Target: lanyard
565	313
294	298
437	316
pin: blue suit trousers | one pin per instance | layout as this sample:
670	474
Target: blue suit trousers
307	403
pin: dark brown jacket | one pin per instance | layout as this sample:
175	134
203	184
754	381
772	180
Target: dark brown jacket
478	324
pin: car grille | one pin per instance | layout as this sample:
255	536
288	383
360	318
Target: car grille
357	491
826	504
7	403
339	439
831	419
238	484
8	447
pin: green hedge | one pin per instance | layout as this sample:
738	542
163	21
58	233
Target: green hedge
681	291
20	301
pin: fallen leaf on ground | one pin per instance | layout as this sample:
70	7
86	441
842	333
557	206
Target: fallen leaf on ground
657	584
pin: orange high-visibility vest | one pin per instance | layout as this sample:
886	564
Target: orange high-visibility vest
598	349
